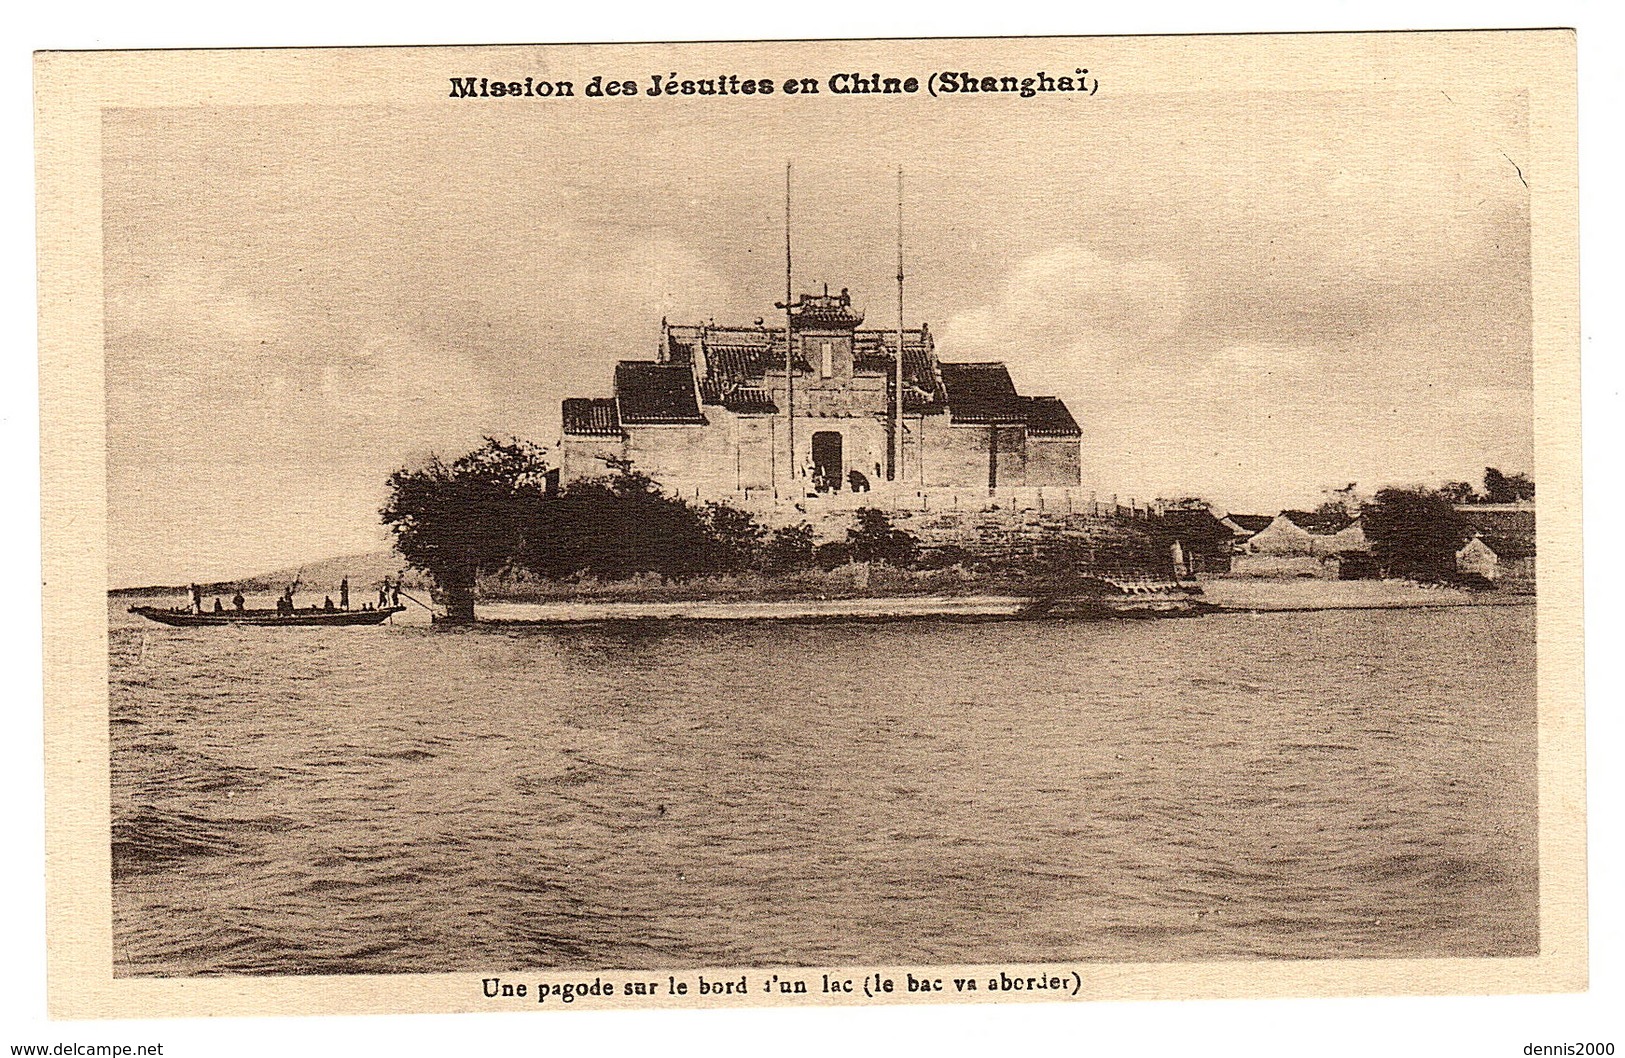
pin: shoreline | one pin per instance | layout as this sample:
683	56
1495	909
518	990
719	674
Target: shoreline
1258	597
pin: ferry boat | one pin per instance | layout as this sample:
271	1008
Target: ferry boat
312	617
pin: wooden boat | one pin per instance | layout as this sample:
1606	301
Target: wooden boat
309	618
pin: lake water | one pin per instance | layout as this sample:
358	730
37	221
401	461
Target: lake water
402	799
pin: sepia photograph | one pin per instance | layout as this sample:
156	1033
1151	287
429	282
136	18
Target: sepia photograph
812	522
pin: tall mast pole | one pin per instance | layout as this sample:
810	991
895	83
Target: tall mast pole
897	379
789	348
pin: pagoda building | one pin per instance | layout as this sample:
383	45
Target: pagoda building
717	413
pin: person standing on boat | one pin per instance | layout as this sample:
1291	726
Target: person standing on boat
237	600
395	593
217	607
344	594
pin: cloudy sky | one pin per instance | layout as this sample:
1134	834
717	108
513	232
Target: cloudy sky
1249	297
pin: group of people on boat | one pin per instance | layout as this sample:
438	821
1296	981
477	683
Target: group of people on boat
237	601
389	595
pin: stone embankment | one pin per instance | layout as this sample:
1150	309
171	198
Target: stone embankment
1259	595
1016	535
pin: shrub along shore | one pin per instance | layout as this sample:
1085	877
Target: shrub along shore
489	526
853	580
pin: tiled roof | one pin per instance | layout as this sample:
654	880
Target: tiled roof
748	400
1253	523
741	362
982	393
1508	545
591	416
1498	518
826	311
741	356
733	355
1319	524
1049	417
875	351
738	358
1194	524
650	393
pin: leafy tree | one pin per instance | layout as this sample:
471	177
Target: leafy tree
1459	492
875	539
1496	487
1333	510
789	548
1507	488
1415	533
944	557
735	537
458	521
832	555
616	527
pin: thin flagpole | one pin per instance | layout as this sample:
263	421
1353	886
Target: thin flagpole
789	346
897	408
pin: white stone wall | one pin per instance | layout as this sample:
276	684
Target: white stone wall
751	453
1054	461
583	457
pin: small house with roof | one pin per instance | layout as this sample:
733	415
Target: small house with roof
1478	558
1243	527
814	408
1204	539
1315	533
1501	540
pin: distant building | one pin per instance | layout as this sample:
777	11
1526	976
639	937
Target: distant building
1502	542
1479	558
1203	541
1243	527
712	413
1297	533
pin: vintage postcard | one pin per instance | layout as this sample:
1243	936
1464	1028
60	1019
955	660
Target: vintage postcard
887	521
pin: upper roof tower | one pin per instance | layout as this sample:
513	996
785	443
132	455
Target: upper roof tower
825	312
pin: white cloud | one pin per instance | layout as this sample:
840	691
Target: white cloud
1069	318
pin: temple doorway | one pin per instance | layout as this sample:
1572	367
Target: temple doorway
828	465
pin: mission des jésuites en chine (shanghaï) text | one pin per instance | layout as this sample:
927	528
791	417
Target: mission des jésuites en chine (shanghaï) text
945	82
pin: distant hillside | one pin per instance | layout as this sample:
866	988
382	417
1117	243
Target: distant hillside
366	572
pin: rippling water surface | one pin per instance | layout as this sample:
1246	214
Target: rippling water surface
398	799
